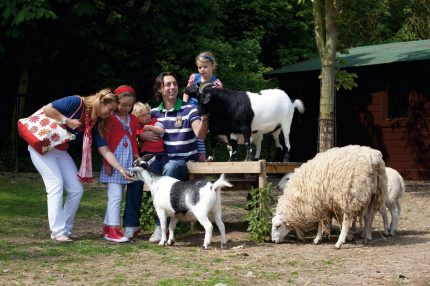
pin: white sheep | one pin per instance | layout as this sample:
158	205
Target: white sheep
183	200
340	183
283	182
395	190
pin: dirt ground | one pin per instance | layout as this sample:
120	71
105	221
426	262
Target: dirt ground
400	260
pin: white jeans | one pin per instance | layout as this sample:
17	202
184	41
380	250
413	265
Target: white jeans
59	173
113	208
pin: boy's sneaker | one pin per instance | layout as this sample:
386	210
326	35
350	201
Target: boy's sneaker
156	236
131	231
115	234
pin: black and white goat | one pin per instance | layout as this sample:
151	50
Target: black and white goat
183	200
257	139
240	112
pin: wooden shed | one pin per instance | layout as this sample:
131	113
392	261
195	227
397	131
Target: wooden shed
388	111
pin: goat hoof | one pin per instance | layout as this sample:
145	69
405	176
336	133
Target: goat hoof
171	242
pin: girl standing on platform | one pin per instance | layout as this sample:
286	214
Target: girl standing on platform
206	64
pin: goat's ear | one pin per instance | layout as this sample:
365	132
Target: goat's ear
206	97
147	157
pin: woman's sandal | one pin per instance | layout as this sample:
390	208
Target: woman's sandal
62	238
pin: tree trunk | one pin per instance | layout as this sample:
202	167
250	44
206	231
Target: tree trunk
326	36
326	120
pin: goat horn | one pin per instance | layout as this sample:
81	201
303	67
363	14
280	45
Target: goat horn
203	86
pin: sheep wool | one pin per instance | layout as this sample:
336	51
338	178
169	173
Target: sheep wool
341	181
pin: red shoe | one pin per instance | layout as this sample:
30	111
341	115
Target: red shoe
114	234
105	230
119	231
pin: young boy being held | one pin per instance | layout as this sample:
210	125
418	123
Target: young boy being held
154	146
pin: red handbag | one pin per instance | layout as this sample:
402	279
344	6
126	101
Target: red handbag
44	133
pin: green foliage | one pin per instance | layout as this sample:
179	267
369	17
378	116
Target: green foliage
260	213
345	80
78	47
148	214
21	11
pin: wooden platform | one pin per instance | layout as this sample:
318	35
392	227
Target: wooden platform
260	168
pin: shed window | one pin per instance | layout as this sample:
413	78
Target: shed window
398	100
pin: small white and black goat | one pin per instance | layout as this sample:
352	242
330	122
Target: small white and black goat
240	112
183	200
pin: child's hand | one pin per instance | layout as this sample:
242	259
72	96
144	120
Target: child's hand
149	136
136	161
108	170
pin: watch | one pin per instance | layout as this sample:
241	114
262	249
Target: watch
64	120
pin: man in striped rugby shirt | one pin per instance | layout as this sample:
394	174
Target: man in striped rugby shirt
182	125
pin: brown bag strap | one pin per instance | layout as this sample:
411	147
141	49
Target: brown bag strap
80	105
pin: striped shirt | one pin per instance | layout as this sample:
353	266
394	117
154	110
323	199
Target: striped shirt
179	138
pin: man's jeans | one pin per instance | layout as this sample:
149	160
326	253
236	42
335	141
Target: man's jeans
133	201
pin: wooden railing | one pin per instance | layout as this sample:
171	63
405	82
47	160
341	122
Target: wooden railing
260	168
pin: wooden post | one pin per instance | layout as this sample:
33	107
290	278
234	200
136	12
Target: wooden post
262	175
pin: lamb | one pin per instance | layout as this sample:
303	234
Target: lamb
342	183
395	190
183	200
283	182
240	112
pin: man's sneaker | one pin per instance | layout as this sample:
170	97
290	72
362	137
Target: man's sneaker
156	236
131	231
115	234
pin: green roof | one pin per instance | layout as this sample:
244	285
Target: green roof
367	56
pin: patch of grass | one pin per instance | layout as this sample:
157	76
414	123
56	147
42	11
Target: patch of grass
118	279
176	282
218	260
269	276
220	278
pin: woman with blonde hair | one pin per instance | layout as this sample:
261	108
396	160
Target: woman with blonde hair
83	116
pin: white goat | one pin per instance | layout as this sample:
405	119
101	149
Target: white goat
183	200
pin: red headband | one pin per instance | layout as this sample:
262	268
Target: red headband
124	88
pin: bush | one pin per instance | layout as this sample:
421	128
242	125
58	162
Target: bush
260	213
